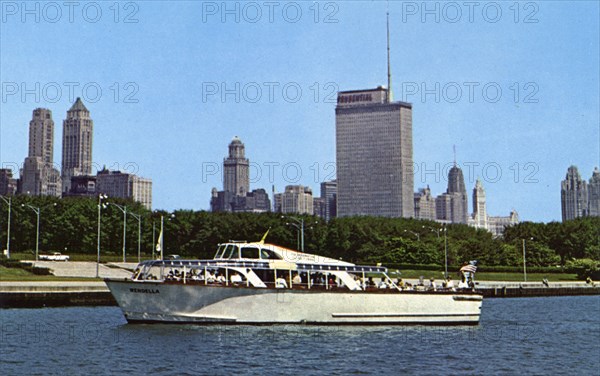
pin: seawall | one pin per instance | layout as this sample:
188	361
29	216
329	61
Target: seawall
82	293
54	294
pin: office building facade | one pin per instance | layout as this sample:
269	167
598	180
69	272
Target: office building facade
124	185
374	155
296	199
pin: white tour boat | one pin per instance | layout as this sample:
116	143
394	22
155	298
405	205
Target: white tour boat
258	283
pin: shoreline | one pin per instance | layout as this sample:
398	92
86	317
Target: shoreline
95	293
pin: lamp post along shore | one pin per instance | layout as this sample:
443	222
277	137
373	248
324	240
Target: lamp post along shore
9	203
36	210
123	209
300	226
139	219
100	205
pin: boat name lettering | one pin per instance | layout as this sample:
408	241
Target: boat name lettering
145	291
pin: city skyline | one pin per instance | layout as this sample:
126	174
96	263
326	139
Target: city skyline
177	126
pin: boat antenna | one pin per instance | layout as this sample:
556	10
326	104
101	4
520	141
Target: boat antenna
389	68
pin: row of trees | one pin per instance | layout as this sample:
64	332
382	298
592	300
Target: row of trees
70	225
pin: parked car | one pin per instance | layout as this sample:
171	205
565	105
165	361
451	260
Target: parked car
55	256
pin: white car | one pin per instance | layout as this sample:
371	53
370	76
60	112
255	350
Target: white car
55	256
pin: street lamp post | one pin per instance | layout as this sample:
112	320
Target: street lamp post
525	261
139	218
100	206
301	224
123	209
37	231
8	201
445	253
436	230
415	234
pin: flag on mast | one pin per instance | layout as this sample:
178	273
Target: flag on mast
159	242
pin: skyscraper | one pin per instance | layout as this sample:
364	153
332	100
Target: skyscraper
38	176
236	195
374	155
374	152
594	194
236	169
480	217
329	196
78	130
453	205
573	195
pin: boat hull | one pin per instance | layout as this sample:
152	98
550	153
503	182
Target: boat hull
205	304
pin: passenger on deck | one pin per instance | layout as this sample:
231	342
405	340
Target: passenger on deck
370	282
236	279
400	283
383	284
450	284
463	283
432	285
210	277
280	283
297	280
221	278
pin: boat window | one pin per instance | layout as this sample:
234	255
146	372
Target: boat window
235	253
250	252
219	253
267	254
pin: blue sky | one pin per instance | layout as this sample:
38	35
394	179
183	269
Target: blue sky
514	87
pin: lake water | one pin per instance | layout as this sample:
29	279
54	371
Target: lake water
551	336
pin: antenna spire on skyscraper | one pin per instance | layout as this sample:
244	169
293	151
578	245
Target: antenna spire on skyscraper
454	148
389	69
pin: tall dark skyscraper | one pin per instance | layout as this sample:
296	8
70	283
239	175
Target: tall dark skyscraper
78	131
38	176
374	152
236	169
453	205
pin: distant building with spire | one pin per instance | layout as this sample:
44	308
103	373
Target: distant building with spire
480	217
78	131
236	195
